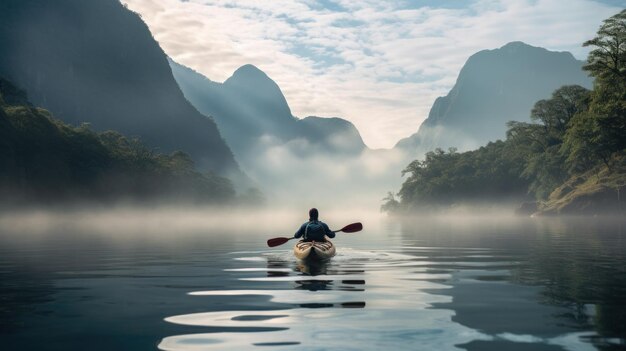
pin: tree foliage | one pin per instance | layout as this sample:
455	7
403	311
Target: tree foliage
540	144
607	60
390	203
599	132
572	133
443	178
42	158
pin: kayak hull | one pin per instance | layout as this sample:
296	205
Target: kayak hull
314	250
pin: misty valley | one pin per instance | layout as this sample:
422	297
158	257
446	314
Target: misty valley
145	204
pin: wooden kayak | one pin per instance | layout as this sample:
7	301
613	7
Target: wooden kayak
315	250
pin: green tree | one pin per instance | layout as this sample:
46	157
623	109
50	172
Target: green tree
541	142
555	113
574	134
601	132
444	178
390	203
607	61
44	159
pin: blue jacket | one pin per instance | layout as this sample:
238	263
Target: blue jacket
314	231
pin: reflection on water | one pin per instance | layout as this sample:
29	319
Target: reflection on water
435	297
357	300
532	284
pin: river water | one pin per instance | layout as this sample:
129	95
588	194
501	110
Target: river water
425	283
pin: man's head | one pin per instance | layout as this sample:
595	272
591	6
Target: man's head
313	214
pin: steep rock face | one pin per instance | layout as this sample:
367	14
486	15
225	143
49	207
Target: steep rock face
494	87
96	62
250	109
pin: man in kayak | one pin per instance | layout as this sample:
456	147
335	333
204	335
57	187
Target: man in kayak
314	230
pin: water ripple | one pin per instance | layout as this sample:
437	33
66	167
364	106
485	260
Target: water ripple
359	300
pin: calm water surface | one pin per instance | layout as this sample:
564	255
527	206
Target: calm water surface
430	284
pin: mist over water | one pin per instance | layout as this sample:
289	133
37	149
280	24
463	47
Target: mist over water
184	278
163	220
300	173
117	254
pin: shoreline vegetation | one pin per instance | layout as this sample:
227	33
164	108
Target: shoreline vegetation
570	160
45	161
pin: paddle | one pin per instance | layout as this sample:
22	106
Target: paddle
350	228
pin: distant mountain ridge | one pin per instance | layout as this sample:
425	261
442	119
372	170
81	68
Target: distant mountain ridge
250	108
494	87
96	62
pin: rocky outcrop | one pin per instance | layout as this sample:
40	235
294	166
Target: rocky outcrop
597	192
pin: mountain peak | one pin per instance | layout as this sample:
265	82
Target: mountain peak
516	44
249	75
251	84
493	87
249	69
515	49
520	48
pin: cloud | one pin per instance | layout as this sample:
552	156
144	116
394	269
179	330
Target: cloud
378	64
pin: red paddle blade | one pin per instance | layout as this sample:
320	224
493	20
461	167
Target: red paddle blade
351	228
276	241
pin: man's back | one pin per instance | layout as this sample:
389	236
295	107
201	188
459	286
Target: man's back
314	230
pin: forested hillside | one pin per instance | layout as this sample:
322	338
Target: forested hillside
47	161
493	87
96	62
571	156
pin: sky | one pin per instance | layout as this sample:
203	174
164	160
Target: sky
378	64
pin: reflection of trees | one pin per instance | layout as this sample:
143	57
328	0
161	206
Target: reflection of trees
581	264
578	265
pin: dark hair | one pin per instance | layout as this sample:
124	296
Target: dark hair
313	214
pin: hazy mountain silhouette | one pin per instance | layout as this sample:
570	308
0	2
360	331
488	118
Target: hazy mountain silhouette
494	87
95	61
292	159
251	111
